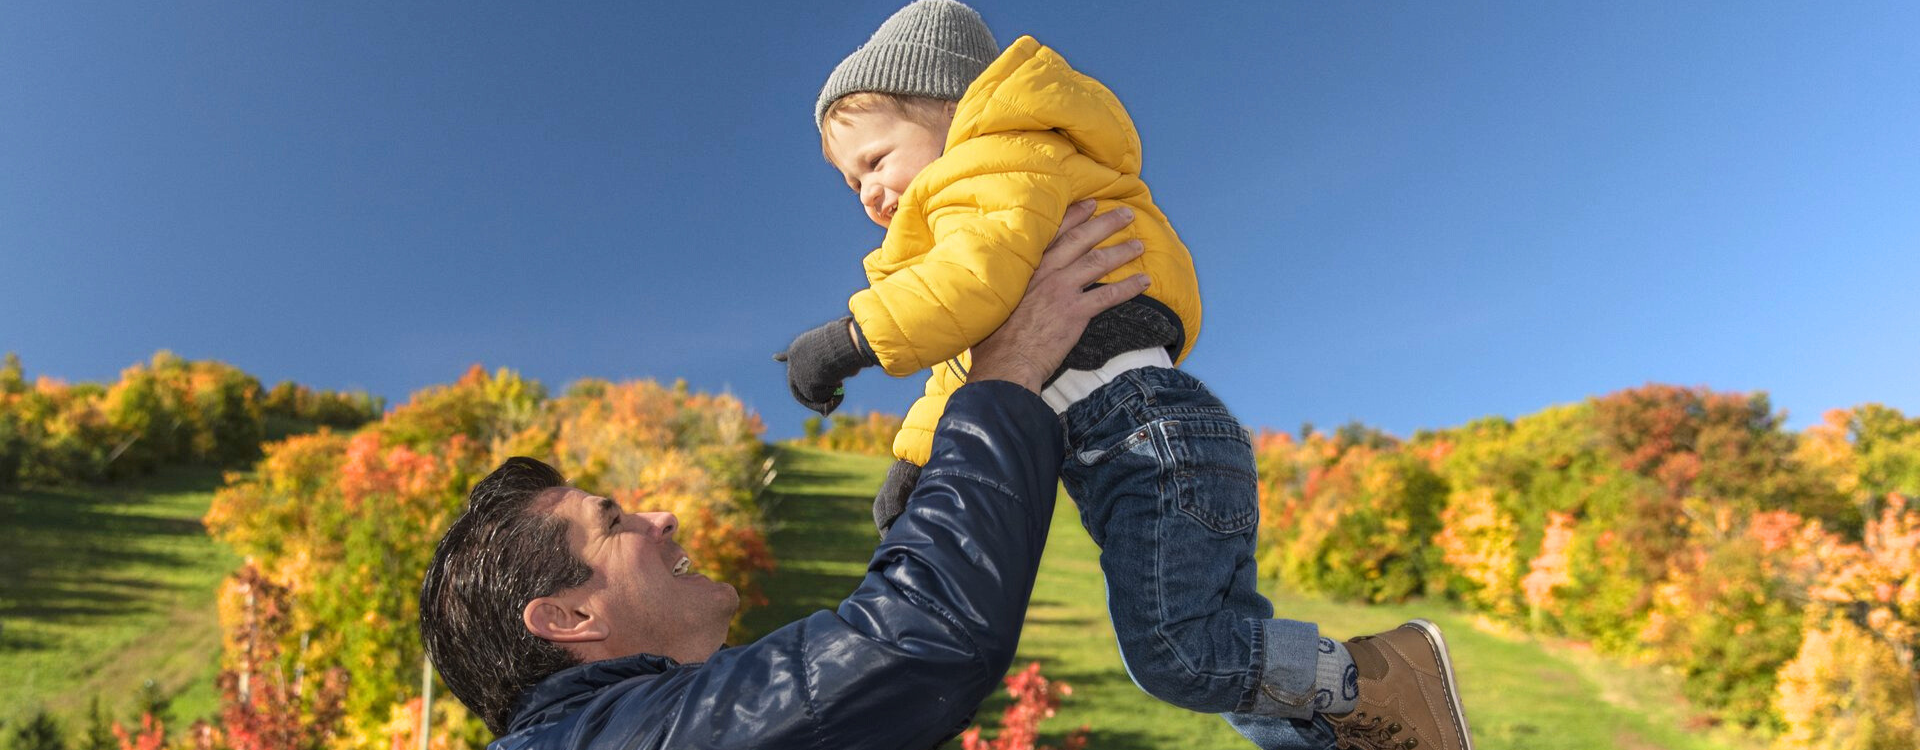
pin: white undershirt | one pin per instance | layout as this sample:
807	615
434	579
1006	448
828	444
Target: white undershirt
1074	385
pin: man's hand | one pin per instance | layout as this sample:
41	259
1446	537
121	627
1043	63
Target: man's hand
820	361
1050	318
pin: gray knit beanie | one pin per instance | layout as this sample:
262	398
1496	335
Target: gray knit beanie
932	48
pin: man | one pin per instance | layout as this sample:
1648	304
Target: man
567	624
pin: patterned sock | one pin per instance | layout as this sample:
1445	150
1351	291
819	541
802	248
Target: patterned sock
1336	683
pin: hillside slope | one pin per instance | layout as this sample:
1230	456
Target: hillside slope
1520	693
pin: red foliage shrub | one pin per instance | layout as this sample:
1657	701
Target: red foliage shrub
1035	699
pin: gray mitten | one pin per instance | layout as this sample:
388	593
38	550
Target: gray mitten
820	360
891	501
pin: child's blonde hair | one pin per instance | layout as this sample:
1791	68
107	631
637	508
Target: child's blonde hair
936	114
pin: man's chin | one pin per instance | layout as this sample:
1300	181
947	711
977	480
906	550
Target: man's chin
723	592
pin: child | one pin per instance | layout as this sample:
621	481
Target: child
969	157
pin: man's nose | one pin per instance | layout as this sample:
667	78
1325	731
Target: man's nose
663	523
872	196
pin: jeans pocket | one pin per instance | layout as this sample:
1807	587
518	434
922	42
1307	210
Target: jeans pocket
1214	479
1100	454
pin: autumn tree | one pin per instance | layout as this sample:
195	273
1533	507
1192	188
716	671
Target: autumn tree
346	522
1844	690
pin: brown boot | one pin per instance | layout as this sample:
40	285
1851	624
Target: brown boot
1409	699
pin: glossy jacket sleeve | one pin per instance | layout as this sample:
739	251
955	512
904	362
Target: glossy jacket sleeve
932	628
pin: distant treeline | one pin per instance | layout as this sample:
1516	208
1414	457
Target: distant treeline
871	434
1779	572
166	411
321	646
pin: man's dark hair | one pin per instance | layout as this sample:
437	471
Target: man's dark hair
507	549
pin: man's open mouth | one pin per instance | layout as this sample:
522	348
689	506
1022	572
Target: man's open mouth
681	568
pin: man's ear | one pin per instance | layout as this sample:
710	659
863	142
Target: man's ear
558	621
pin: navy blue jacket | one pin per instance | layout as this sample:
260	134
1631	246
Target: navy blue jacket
902	663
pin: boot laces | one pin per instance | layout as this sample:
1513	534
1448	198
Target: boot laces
1359	731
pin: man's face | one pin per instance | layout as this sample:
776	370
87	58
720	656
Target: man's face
880	152
643	584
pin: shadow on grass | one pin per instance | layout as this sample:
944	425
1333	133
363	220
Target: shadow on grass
808	481
67	550
1034	620
823	534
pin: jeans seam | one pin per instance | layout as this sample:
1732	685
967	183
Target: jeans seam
1168	496
1258	669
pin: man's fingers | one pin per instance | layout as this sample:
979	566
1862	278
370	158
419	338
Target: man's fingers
1094	265
1103	297
1075	242
1076	215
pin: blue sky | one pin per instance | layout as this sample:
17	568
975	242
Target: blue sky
1410	214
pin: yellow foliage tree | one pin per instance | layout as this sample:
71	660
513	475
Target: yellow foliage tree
1844	690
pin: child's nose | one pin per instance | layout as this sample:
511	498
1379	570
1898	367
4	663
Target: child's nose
874	199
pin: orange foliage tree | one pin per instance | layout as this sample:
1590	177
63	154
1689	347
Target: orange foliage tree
346	523
1875	585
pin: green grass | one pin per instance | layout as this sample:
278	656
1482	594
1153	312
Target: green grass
106	588
1521	692
821	507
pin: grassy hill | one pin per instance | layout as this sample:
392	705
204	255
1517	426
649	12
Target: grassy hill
1521	693
106	588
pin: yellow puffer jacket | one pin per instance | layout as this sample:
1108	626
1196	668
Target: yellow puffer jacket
1031	136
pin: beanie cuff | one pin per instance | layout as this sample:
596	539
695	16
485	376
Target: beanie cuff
931	48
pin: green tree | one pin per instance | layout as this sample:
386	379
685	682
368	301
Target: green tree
153	700
1365	525
13	378
41	732
99	733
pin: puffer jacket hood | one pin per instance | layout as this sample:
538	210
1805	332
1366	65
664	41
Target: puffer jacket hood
1031	88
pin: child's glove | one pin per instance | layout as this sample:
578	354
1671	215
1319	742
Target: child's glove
822	359
892	498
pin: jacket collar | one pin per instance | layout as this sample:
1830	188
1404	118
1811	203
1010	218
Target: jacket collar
567	690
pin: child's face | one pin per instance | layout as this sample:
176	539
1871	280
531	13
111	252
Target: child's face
880	153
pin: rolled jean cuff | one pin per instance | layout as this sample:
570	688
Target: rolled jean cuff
1289	652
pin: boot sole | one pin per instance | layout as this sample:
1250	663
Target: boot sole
1452	684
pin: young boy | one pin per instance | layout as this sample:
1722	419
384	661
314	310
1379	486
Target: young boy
969	157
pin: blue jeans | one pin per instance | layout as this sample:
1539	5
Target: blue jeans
1164	478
